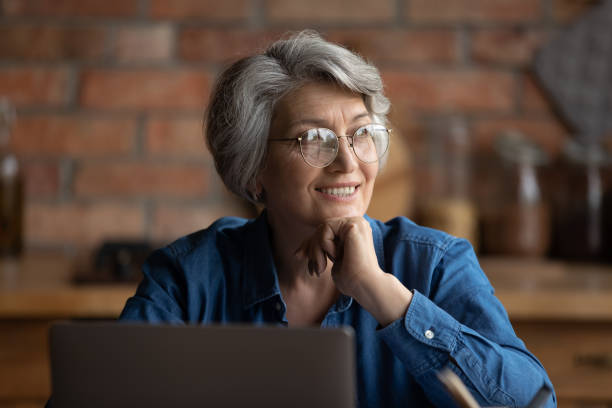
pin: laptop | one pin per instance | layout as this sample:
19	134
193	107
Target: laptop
111	364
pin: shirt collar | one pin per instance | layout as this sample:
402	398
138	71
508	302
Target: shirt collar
260	278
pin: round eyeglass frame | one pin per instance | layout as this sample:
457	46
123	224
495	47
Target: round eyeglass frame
349	138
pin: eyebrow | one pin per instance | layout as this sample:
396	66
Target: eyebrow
322	122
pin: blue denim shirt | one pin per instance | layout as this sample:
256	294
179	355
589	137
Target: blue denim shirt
226	274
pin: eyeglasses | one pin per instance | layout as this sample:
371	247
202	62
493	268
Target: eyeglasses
319	147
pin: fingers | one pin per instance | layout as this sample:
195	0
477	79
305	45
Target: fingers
328	242
315	255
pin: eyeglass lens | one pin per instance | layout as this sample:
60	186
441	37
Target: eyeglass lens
320	146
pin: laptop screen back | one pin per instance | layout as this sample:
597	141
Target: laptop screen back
133	365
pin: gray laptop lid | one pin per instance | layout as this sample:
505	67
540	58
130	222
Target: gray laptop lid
139	365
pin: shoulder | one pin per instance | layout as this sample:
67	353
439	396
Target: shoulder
196	255
224	231
402	231
201	259
423	257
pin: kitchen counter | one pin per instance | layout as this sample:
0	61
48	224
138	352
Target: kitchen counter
40	286
551	290
562	311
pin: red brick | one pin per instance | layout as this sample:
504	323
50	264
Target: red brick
364	11
507	46
546	132
34	86
222	45
176	137
71	8
144	89
201	9
75	136
534	99
82	224
567	10
51	42
151	43
141	179
456	11
408	127
41	179
477	91
173	221
400	46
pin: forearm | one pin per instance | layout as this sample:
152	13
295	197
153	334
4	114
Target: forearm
384	296
428	339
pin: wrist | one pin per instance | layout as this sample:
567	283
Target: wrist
384	296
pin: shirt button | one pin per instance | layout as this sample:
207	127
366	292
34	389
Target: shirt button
429	334
278	306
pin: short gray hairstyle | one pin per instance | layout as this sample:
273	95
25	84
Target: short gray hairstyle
245	96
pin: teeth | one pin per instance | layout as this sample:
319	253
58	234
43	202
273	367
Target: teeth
340	191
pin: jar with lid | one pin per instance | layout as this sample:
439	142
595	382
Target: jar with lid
578	201
445	202
517	221
11	188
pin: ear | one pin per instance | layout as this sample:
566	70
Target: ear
257	190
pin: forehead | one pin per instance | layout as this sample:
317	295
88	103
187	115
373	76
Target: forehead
319	101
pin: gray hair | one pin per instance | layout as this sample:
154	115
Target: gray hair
245	95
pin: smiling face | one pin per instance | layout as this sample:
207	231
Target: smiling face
298	195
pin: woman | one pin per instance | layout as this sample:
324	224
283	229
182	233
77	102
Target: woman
300	129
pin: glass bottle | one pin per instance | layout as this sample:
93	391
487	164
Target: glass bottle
607	212
11	188
579	202
519	222
445	203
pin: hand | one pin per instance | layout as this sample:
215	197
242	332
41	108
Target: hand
348	243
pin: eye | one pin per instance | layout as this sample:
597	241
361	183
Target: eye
371	130
311	135
364	131
320	135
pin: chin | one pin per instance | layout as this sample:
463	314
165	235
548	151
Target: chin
344	213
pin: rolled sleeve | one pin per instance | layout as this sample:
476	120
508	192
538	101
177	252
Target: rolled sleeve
460	324
424	338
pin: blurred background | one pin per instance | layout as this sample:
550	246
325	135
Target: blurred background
501	111
110	96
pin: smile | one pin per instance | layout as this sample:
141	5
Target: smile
338	191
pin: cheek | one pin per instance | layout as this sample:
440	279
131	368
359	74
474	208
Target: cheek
370	172
287	176
370	176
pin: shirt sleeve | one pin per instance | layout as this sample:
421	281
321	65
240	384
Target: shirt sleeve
157	299
463	326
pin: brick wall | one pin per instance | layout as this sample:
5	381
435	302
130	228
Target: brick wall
110	93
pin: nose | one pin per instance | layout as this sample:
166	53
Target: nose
345	160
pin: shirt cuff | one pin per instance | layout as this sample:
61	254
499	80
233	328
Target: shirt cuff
424	338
